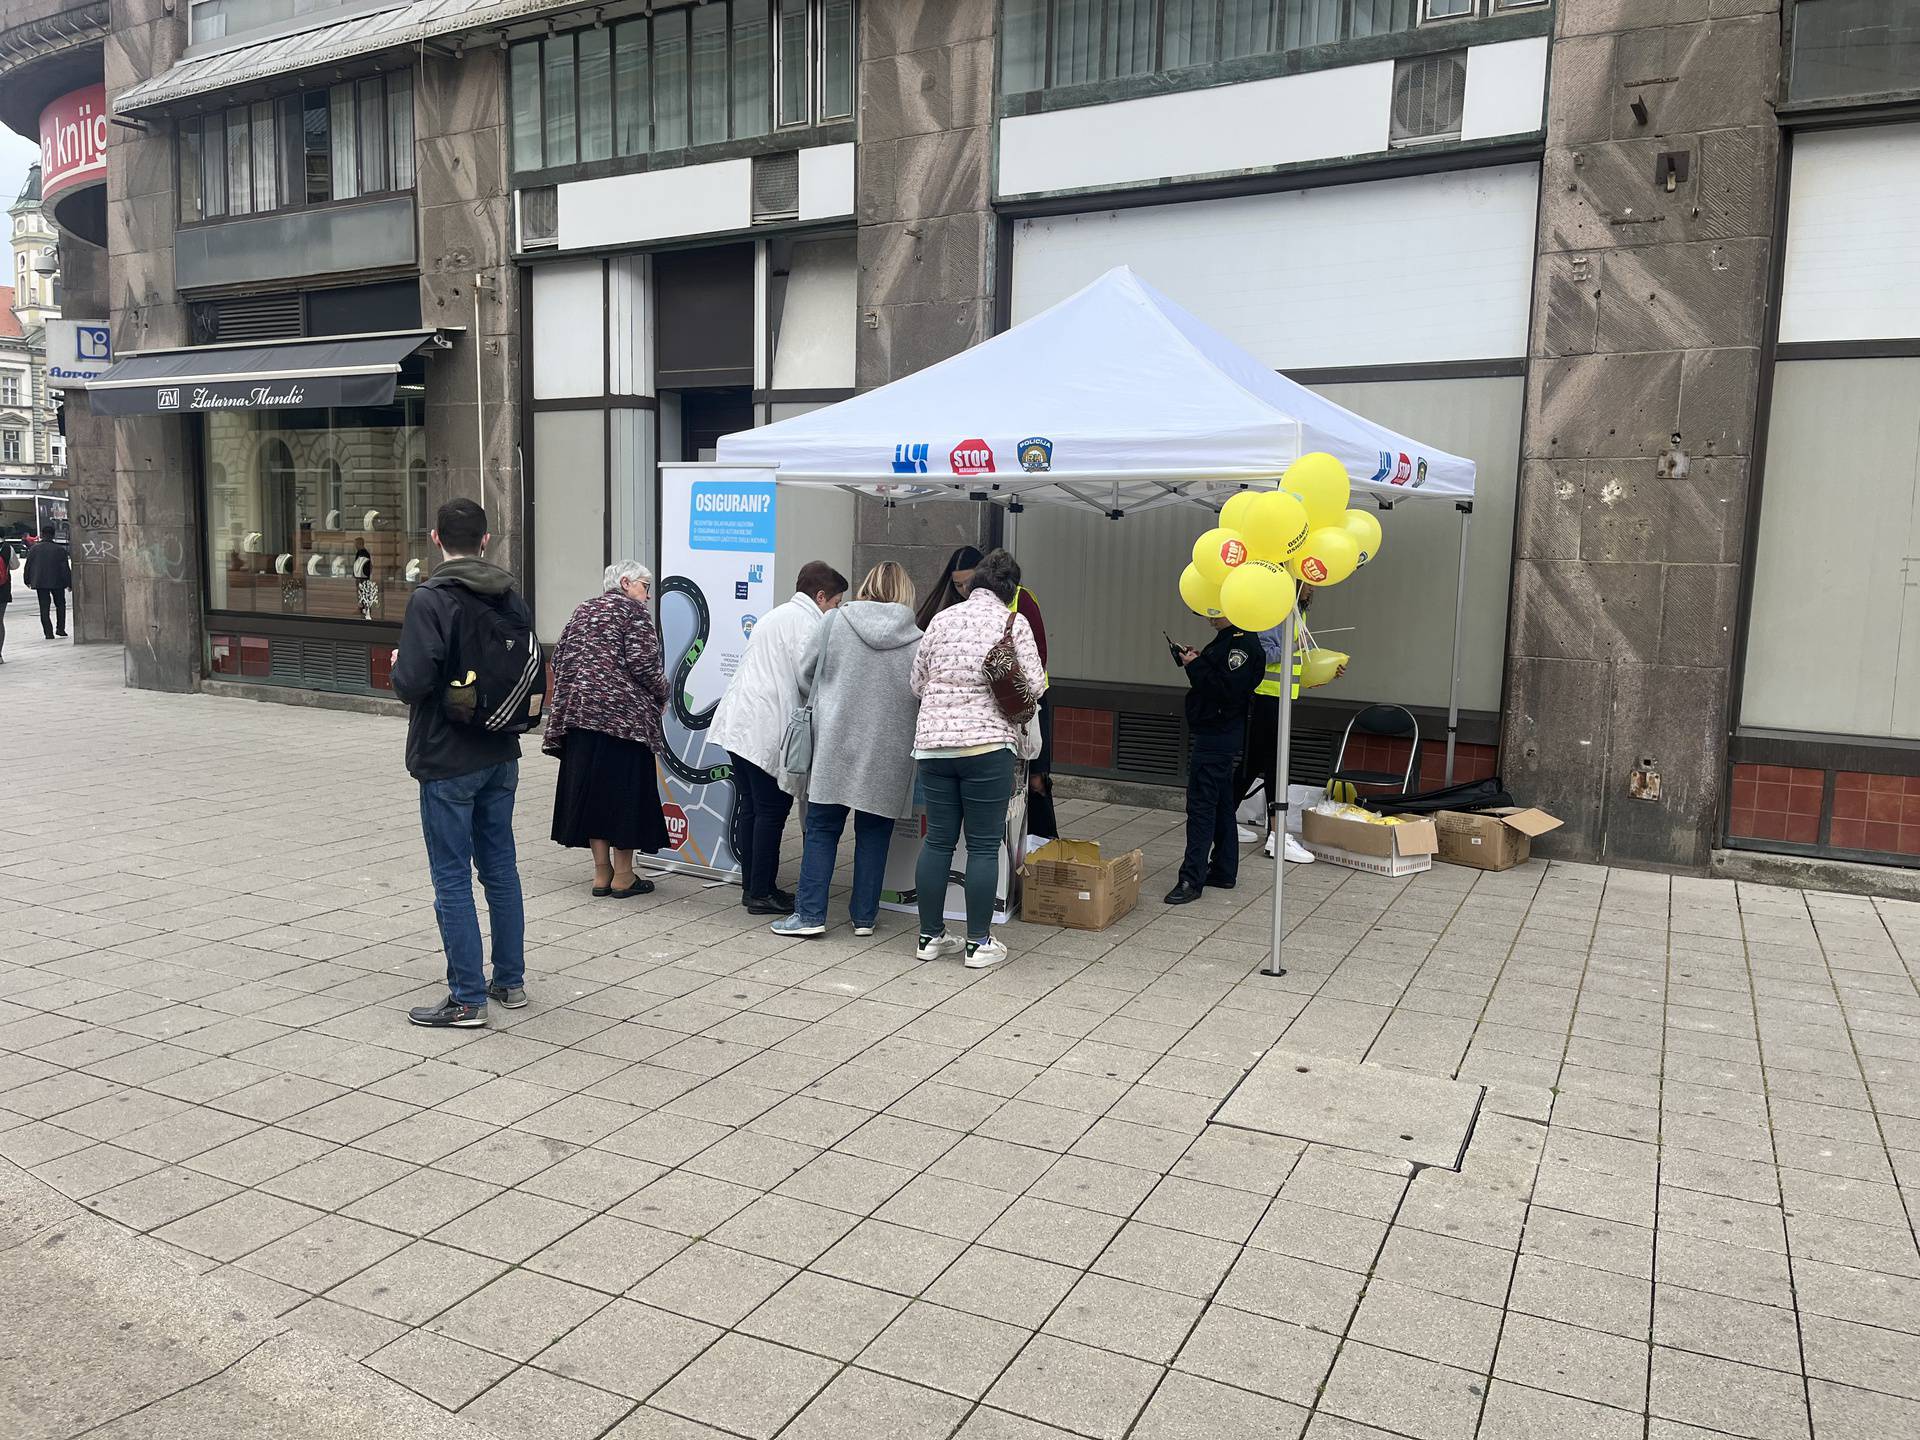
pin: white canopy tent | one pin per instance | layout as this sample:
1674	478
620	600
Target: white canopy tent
1115	400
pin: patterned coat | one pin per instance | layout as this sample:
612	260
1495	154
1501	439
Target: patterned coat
607	674
956	707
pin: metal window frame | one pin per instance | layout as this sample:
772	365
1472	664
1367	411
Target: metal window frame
808	59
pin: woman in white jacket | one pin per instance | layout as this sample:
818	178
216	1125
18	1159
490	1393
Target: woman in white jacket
751	726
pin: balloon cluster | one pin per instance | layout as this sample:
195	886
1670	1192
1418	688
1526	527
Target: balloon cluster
1268	539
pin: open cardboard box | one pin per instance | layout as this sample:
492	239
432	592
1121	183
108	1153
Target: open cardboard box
1403	849
1491	839
1071	884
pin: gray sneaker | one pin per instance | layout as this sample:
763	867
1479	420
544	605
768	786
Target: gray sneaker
514	997
794	925
449	1014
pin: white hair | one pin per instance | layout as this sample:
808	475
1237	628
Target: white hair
624	570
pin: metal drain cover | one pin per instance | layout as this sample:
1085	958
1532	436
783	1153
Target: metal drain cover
1421	1118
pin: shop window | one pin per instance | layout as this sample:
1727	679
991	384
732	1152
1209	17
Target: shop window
1050	43
316	512
1853	48
353	139
701	75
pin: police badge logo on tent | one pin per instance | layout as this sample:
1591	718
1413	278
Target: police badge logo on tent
1036	454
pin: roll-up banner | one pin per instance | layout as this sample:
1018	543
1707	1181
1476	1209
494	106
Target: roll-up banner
716	580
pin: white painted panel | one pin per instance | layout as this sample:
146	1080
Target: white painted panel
659	205
1833	641
1851	236
1423	268
826	182
629	326
819	317
568	358
1506	89
569	516
1108	588
810	524
1320	115
633	479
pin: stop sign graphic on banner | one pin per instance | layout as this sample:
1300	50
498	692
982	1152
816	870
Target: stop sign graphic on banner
676	819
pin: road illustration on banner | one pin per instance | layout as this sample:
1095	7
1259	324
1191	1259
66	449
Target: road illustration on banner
703	771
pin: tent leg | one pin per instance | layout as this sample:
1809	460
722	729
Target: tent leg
1277	800
1465	507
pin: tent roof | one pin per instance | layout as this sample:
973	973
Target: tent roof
1115	399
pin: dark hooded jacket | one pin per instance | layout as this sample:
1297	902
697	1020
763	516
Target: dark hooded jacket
437	749
48	567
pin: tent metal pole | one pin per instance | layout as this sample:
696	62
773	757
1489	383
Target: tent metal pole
1277	797
1465	507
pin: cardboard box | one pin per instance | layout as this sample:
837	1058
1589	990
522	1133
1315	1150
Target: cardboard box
1069	883
1490	839
1404	849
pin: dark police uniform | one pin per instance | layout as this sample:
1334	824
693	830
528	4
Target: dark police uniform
1221	680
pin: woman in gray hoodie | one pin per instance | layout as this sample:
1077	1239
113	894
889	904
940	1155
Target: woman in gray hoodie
857	675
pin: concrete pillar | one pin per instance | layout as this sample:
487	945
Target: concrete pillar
1649	310
157	492
926	235
92	489
466	211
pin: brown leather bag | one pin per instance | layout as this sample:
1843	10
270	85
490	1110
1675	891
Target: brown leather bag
1012	692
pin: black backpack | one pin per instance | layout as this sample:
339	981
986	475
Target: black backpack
497	672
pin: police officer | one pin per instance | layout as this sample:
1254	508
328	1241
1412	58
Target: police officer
1221	680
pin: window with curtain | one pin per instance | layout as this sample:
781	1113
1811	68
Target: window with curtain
307	148
704	74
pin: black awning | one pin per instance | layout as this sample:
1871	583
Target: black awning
292	375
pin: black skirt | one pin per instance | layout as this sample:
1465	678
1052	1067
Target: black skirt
608	791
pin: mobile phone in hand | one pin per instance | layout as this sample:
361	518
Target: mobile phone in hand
1174	649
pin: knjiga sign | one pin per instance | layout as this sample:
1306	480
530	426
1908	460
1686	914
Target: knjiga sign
73	141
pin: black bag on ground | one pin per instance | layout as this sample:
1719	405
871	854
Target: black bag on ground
1490	794
499	674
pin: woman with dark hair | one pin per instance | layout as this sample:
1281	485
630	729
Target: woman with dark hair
953	586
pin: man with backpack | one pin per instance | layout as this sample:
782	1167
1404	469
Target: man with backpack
474	680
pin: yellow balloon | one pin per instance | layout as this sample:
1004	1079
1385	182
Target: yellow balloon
1275	526
1257	596
1329	556
1321	483
1233	514
1365	530
1201	595
1217	552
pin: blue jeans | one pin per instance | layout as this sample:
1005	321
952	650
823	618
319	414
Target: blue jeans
970	792
872	835
468	822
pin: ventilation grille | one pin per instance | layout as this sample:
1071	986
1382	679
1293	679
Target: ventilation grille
320	665
539	217
776	187
1148	748
1429	95
244	318
1310	756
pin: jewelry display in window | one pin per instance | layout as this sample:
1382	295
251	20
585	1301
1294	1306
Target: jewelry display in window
333	520
283	563
253	542
370	519
413	572
293	596
314	562
337	567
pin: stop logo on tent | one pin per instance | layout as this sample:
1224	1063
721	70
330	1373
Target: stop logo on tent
971	457
676	819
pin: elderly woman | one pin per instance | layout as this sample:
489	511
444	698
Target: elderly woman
857	675
603	721
968	753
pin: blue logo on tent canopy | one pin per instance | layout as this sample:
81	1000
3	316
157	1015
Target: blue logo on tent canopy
910	459
1386	467
1036	453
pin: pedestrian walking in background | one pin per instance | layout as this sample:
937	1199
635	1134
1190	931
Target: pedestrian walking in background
603	722
467	773
968	753
750	724
857	676
6	599
1221	680
49	573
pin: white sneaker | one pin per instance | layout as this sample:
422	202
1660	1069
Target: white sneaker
987	952
938	947
1269	845
1297	853
1246	834
863	931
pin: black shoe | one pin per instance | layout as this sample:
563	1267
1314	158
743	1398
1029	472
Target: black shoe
639	887
449	1014
1215	882
60	634
1182	894
782	898
768	905
514	997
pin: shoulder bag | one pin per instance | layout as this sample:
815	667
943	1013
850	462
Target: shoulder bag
796	751
1012	692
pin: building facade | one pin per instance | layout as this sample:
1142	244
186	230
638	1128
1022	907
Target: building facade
1628	258
32	449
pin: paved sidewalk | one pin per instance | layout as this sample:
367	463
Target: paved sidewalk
716	1183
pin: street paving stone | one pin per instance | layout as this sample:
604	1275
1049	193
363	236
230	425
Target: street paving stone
717	1183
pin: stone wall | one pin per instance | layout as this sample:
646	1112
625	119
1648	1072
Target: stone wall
155	488
92	486
1649	310
926	237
